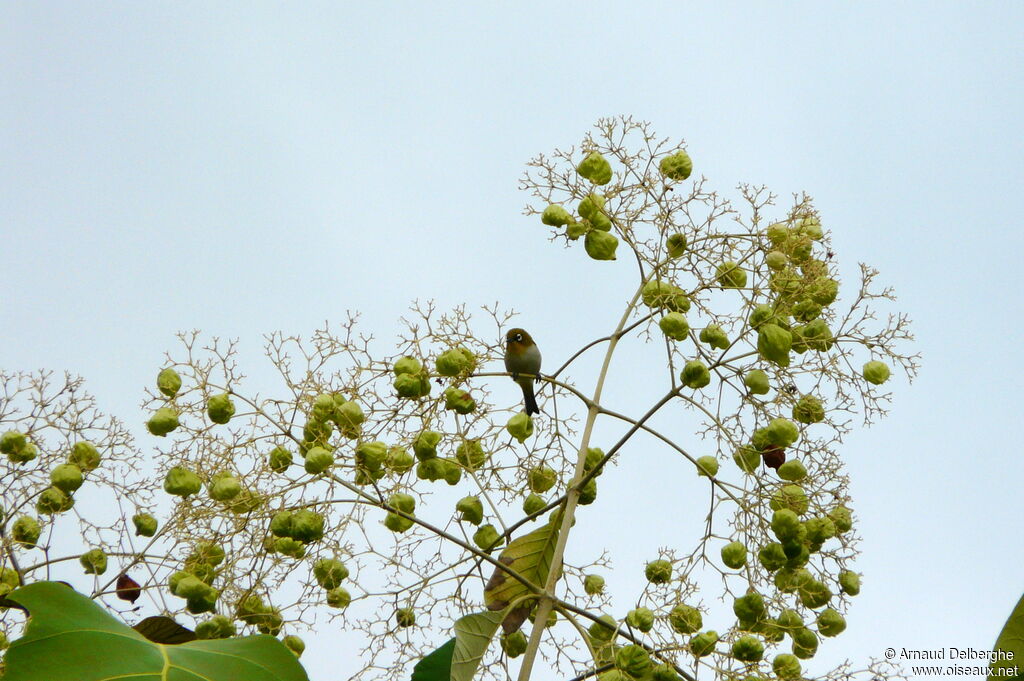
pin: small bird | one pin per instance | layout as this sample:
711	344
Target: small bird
523	357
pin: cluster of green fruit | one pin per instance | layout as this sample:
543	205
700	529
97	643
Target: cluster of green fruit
292	531
65	479
595	222
412	379
633	661
194	582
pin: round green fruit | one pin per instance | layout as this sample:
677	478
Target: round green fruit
66	477
600	245
555	216
685	619
94	562
182	482
831	623
730	275
85	456
633	660
695	374
329	573
595	168
541	479
674	326
707	466
470	510
487	538
658	572
220	408
734	555
145	524
748	648
593	585
677	166
876	372
849	582
163	421
787	666
703	644
792	470
168	382
641	619
514	644
676	245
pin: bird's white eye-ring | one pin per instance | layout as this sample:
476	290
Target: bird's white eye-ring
518	338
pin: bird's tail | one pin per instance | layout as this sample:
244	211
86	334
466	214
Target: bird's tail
528	398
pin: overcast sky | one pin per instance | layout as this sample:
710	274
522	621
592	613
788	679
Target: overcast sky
247	167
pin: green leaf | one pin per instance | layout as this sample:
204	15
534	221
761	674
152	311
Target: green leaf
1011	640
530	556
459	658
437	666
71	638
473	633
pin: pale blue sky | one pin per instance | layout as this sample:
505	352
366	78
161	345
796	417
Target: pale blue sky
247	167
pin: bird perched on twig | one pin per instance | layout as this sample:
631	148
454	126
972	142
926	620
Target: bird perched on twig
523	357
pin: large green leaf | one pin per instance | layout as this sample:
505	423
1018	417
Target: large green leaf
71	638
1011	640
529	556
459	658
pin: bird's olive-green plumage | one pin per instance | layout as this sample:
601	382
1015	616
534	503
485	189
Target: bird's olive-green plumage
522	360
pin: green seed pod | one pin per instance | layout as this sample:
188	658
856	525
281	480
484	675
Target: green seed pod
685	619
555	216
777	233
407	365
318	460
806	310
66	477
25	454
774	344
747	458
576	229
603	630
772	556
776	260
792	470
533	504
790	619
425	445
294	644
810	227
748	649
589	493
412	386
403	502
641	619
94	562
190	586
318	432
471	454
785	524
593	585
471	510
487	538
329	573
663	295
814	594
405	617
552	618
814	335
805	643
749	609
790	579
593	458
714	336
163	421
349	418
787	666
541	479
601	222
371	455
224	488
600	245
431	469
458	401
52	501
216	627
664	672
676	245
658	572
26	530
595	168
281	524
849	582
734	555
591	206
399	460
791	497
831	623
756	382
397	523
85	456
307	526
730	275
808	409
279	459
819	530
168	382
287	546
220	408
145	524
703	644
707	466
823	291
520	426
338	597
780	432
633	660
677	166
206	553
695	374
12	442
514	644
454	362
876	372
841	518
182	482
675	326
